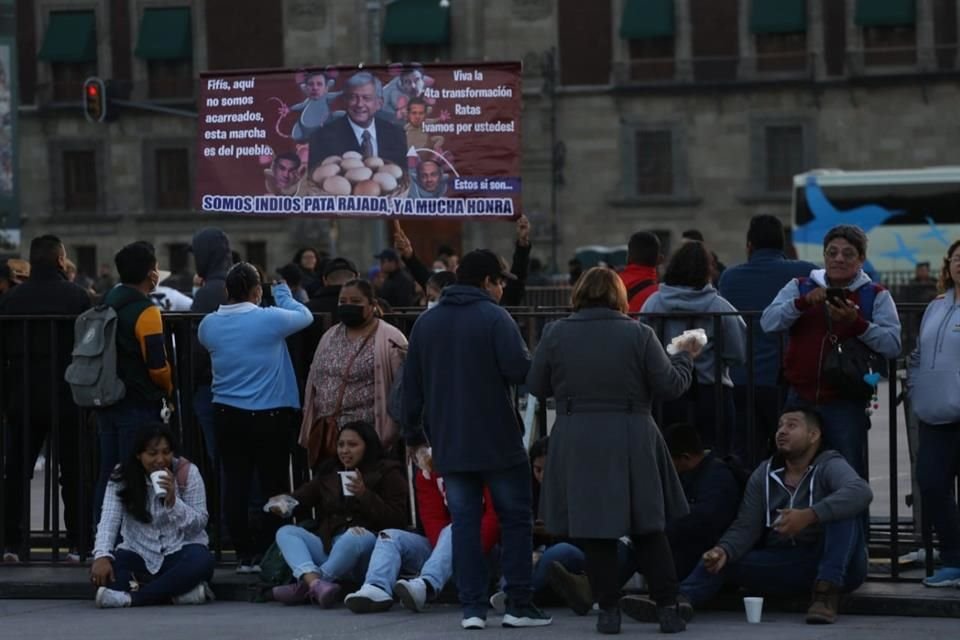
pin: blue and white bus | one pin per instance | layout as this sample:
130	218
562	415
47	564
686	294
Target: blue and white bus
910	216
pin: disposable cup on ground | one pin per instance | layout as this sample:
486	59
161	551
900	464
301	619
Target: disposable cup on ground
754	609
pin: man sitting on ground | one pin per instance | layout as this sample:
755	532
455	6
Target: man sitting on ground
713	492
799	526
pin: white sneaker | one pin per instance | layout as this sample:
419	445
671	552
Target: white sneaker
246	569
368	599
499	602
110	599
412	594
476	622
200	594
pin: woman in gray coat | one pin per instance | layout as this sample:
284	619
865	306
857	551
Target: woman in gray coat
609	473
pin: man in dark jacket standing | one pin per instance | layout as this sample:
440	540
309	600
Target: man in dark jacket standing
211	252
462	359
752	286
36	411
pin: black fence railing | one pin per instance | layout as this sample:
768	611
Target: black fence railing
36	416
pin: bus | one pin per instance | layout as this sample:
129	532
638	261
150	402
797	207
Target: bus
910	216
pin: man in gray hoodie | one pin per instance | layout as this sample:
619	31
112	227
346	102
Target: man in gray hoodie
799	526
211	252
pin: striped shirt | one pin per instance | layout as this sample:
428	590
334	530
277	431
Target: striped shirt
172	527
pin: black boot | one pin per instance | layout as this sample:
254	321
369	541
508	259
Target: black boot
670	620
609	621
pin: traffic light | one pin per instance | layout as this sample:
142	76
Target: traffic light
95	100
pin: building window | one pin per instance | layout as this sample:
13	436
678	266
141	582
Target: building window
165	43
68	78
418	52
585	41
889	46
173	178
70	47
652	59
781	52
653	151
256	253
80	180
170	78
780	149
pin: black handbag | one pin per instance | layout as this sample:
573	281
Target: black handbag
847	362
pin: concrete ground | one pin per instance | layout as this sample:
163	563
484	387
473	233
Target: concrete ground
79	620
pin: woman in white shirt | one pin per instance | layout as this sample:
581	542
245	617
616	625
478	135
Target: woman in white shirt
163	556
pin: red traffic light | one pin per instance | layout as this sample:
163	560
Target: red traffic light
94	100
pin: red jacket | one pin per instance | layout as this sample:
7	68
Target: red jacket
808	346
633	275
434	516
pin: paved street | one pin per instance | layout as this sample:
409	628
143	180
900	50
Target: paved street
45	619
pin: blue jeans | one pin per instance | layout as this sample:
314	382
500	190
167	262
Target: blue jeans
938	463
568	555
845	425
118	426
305	553
401	552
839	558
179	573
510	489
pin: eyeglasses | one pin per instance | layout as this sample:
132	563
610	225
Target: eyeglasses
846	254
955	259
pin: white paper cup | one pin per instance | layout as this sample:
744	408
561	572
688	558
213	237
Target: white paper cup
754	608
155	479
346	477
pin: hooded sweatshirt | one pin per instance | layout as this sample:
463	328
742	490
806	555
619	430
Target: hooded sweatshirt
674	299
934	366
830	487
211	252
808	332
463	357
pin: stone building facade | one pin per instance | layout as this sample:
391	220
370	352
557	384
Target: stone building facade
638	114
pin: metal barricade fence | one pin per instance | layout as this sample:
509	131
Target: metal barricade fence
21	335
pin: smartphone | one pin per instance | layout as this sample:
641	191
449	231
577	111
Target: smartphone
836	295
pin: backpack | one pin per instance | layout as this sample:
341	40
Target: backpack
92	373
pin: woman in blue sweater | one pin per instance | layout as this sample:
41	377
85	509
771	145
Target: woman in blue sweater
254	397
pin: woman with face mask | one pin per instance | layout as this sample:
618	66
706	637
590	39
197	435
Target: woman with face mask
255	396
351	375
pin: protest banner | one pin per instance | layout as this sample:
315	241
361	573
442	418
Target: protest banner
406	140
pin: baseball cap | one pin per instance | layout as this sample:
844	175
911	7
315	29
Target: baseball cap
339	264
388	254
479	264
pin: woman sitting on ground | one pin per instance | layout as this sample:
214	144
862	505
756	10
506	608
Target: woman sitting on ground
351	511
163	555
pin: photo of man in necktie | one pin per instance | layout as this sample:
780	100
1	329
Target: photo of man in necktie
361	129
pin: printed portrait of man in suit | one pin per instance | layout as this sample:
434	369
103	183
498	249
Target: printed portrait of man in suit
361	129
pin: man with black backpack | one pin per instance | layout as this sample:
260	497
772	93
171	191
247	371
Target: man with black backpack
47	292
640	274
142	363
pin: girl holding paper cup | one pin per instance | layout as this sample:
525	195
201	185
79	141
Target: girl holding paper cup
357	494
157	503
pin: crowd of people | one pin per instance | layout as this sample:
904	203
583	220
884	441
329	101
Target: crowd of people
648	468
